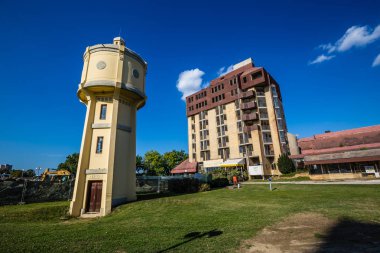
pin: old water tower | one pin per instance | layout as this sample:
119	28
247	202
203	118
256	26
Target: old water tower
113	88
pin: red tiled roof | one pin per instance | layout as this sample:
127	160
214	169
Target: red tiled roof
340	149
364	137
185	167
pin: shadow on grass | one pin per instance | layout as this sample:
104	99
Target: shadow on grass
351	236
193	236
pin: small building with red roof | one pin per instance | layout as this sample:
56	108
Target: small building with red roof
185	167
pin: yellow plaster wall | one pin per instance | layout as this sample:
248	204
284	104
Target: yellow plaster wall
213	134
130	64
233	132
109	72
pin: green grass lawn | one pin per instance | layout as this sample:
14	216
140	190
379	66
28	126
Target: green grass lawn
162	224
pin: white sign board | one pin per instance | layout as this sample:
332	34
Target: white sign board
369	169
256	170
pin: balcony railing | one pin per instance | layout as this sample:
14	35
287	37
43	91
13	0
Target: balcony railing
250	116
247	153
248	105
267	140
269	152
260	93
247	94
251	128
222	145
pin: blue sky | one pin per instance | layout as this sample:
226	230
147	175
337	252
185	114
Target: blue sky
41	47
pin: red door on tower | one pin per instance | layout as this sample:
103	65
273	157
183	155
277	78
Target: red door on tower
94	196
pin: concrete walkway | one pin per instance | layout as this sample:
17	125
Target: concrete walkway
360	182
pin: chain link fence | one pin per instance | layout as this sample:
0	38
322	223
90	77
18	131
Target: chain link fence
161	184
21	191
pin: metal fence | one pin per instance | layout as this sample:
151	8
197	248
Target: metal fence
28	191
24	190
158	184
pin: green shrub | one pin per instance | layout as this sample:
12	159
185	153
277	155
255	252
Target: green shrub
285	164
204	187
219	173
183	185
219	182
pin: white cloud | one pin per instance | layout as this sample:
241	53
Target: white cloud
322	58
223	70
190	81
355	36
376	62
326	47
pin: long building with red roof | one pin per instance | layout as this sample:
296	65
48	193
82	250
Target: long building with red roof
353	153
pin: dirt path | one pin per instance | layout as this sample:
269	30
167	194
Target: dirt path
311	232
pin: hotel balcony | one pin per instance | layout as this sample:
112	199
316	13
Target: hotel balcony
268	150
260	93
251	128
247	94
223	145
267	140
248	105
247	153
269	153
250	116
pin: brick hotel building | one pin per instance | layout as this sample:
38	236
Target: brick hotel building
237	121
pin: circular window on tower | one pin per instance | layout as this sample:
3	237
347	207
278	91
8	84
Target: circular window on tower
135	73
101	65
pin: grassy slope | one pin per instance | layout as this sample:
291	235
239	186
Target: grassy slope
158	224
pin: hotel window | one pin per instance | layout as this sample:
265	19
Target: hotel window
99	145
275	102
103	111
256	75
274	91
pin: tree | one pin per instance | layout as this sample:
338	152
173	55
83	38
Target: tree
154	163
285	164
173	158
70	164
139	164
29	173
16	173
